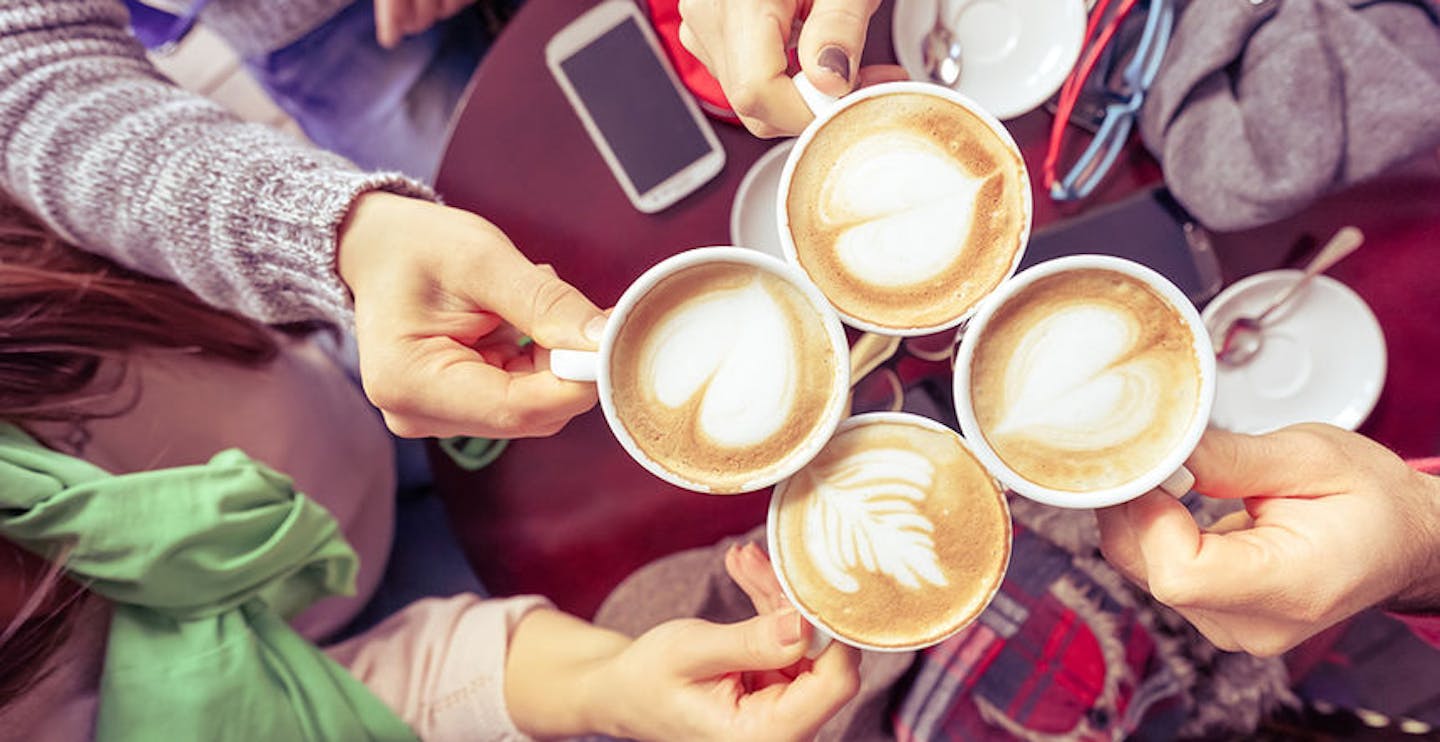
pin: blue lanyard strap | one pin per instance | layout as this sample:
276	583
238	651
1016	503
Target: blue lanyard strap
160	31
1099	157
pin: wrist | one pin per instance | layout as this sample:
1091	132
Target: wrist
558	676
1422	594
597	700
362	231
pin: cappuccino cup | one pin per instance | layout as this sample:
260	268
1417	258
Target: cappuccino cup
1085	381
721	370
905	203
893	538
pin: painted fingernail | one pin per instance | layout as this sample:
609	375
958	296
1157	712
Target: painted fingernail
595	329
787	627
835	59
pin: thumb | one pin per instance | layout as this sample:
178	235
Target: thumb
766	642
831	41
533	299
1183	566
1298	460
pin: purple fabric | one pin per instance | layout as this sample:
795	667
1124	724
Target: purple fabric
383	109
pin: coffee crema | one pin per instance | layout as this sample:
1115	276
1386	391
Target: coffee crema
1085	380
906	209
722	371
894	536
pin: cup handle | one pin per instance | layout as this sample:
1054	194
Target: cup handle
575	365
817	101
819	640
1178	484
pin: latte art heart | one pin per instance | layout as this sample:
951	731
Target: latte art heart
905	206
722	371
1077	382
1084	380
731	354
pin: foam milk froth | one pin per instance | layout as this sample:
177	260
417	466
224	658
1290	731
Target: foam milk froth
1085	380
721	371
906	209
894	536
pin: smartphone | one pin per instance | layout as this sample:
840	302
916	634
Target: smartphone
645	124
1150	228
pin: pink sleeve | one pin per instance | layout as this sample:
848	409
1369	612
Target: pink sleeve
1425	627
440	664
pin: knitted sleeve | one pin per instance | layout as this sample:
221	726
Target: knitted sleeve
119	160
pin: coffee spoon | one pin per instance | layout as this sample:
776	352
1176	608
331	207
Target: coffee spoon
1242	338
941	51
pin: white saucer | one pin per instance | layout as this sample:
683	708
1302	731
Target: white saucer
1016	53
753	221
1323	358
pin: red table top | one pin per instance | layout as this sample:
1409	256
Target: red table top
570	515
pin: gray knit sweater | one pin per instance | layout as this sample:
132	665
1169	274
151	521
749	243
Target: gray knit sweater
115	157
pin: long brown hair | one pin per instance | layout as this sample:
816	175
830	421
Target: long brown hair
64	316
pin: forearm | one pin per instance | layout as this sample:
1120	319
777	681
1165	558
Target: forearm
551	668
119	160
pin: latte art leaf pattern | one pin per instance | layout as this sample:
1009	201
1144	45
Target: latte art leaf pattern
861	514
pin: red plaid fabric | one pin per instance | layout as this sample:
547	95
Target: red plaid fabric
1053	655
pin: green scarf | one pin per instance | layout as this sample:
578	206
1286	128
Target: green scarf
202	563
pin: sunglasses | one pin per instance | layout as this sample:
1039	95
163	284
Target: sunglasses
1106	89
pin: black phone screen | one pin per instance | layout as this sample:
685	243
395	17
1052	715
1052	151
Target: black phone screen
640	113
1149	228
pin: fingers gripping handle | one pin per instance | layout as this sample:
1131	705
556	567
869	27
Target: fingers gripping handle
1179	483
818	102
819	641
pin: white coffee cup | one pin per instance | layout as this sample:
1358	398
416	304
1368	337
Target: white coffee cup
826	108
595	366
1169	473
974	597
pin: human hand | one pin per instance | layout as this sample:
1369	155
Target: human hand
396	19
1333	523
441	298
744	44
695	680
750	568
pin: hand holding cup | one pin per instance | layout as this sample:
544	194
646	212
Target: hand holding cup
1333	523
720	370
745	45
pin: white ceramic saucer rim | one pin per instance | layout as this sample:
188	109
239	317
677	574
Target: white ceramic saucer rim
1365	320
773	157
907	53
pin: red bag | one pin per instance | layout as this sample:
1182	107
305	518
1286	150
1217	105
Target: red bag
665	17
